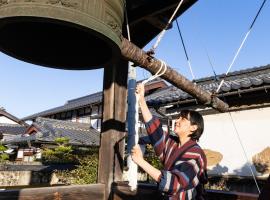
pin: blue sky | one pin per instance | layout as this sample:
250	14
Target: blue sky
216	25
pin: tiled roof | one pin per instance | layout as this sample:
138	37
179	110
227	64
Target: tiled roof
70	105
238	80
76	103
49	129
12	129
235	81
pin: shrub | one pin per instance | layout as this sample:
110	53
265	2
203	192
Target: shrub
2	148
4	157
86	171
61	154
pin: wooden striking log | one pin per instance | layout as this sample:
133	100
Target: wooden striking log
133	53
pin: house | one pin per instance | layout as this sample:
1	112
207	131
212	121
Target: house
43	132
87	109
10	126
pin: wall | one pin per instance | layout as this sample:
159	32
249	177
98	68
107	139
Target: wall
6	120
221	136
23	178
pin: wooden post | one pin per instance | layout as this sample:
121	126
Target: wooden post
111	153
138	56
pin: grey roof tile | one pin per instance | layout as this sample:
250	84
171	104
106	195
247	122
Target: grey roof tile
12	129
239	80
70	105
78	133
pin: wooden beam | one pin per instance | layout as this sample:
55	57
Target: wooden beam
133	53
156	7
113	125
94	191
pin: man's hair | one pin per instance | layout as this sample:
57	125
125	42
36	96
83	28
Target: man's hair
195	118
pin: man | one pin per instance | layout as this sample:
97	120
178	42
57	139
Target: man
183	160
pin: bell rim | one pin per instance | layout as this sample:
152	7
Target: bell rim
81	21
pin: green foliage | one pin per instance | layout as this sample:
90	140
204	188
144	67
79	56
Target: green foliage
2	148
3	157
63	149
152	158
86	171
61	154
62	140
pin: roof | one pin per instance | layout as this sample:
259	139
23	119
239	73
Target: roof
84	101
12	129
49	129
151	16
257	77
3	112
70	105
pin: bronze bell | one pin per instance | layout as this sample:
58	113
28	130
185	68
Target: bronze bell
65	34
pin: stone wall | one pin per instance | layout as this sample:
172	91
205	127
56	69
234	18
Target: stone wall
24	178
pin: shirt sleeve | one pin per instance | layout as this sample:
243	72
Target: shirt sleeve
157	136
184	176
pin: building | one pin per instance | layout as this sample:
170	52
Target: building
87	109
246	92
10	126
43	132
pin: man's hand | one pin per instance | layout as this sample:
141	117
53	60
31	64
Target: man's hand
136	154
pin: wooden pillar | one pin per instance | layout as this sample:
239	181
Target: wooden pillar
112	143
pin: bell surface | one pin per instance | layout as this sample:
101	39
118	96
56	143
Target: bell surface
63	34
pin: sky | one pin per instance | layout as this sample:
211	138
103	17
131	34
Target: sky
216	27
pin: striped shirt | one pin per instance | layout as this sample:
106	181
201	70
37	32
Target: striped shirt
183	166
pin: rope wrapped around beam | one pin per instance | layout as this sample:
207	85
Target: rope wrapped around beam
133	53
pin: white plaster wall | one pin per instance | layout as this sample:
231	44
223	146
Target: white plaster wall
220	135
6	120
96	124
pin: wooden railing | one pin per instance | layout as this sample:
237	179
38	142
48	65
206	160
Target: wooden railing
81	192
120	191
149	192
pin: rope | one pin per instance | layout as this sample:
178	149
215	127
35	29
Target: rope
183	44
159	73
133	118
239	49
164	30
245	153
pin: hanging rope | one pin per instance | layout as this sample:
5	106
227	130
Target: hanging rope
245	153
239	49
160	36
184	46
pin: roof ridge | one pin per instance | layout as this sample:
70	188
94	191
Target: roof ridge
235	73
86	96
